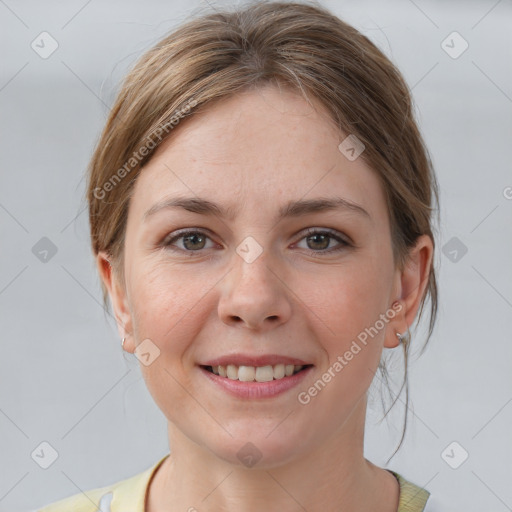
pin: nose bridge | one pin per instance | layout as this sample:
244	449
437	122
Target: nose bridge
252	292
254	273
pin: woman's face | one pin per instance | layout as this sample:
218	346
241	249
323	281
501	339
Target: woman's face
266	276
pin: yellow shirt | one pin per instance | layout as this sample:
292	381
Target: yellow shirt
130	496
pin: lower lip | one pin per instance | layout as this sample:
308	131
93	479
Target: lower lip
257	389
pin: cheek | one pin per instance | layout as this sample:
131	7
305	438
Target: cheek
166	304
345	312
166	309
347	304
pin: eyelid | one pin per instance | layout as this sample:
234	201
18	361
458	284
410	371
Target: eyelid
343	240
175	235
333	232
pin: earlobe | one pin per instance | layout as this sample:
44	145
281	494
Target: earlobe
116	293
398	328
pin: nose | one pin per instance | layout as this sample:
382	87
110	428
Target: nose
255	295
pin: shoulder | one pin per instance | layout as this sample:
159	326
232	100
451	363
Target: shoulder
122	496
413	498
93	500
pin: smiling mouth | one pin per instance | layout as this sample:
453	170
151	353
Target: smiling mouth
256	373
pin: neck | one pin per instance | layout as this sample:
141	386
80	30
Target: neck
334	476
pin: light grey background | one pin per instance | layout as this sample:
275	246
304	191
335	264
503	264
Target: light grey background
63	378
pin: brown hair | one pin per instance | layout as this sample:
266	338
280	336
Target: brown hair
292	44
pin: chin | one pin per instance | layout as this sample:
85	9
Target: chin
256	450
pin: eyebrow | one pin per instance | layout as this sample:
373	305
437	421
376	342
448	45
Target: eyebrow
291	209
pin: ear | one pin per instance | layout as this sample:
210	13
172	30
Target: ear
411	285
117	293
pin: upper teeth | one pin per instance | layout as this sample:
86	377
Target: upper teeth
256	373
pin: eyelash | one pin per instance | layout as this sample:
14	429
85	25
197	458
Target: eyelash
167	243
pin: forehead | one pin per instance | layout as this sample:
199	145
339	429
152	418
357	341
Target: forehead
258	149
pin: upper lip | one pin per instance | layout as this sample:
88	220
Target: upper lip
253	360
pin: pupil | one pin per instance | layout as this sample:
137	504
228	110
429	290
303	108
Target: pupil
191	237
325	239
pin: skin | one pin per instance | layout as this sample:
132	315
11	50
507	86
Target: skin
254	152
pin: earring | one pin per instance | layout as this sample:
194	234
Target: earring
402	338
122	343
